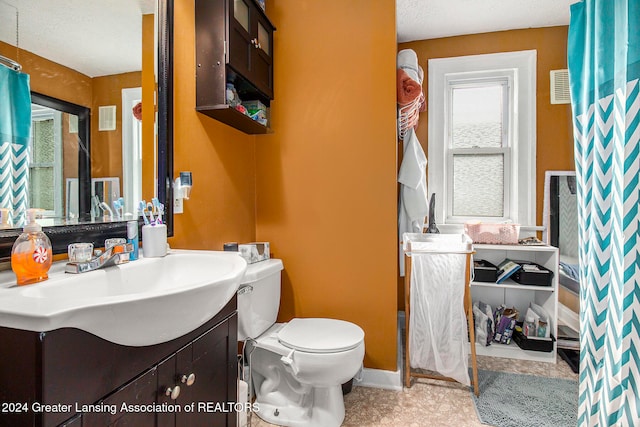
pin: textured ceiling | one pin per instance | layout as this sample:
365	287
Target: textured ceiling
430	19
102	37
94	37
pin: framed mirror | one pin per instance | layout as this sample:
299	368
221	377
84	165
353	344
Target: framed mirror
560	220
68	218
60	163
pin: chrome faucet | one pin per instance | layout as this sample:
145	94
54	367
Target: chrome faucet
114	255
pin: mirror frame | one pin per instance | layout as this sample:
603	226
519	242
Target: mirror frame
96	233
550	207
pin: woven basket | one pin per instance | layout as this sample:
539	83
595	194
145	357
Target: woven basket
493	234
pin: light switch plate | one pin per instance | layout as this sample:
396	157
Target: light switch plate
177	205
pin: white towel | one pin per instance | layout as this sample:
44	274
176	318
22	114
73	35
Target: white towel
408	61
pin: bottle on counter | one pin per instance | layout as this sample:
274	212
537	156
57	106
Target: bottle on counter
4	218
529	327
31	255
132	237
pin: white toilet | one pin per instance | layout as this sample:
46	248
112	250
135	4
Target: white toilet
297	367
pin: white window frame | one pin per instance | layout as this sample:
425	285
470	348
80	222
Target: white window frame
131	150
519	70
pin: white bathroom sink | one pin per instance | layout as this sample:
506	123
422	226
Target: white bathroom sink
144	302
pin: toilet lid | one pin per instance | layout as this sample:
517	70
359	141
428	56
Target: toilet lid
320	335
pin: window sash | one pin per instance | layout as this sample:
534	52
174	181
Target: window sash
505	150
504	81
56	165
506	180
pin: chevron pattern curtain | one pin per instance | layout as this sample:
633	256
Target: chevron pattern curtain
604	72
15	132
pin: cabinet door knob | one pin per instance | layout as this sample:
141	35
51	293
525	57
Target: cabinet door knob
188	380
173	392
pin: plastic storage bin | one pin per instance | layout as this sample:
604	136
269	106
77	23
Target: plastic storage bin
484	271
533	343
532	274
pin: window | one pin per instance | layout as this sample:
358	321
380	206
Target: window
45	159
482	137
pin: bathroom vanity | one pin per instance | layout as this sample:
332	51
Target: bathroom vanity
89	381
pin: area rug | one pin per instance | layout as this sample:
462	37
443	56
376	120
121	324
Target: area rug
514	400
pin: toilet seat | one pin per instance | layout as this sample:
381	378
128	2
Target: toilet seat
320	335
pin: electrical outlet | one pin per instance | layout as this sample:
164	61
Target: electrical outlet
177	205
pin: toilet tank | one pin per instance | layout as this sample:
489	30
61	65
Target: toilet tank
259	298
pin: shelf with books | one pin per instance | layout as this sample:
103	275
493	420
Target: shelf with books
513	294
510	284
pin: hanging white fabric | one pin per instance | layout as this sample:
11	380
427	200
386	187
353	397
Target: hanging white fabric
413	205
412	176
437	323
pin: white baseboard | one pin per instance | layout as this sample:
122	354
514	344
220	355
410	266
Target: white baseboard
568	317
389	380
377	378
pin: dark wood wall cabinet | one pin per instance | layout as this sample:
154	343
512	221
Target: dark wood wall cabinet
87	381
234	44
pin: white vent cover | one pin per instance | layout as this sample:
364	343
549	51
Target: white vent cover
107	118
560	93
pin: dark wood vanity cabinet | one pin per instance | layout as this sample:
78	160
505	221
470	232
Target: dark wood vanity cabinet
73	370
234	44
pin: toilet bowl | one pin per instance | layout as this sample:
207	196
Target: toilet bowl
297	368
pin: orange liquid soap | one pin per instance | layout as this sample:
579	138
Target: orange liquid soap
31	264
31	255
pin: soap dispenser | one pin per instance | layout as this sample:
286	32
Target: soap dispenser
31	255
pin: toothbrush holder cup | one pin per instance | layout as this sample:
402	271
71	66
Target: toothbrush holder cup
154	240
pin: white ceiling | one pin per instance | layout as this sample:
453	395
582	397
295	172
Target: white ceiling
88	35
85	35
430	19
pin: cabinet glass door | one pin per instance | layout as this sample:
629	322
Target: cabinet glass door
241	13
263	39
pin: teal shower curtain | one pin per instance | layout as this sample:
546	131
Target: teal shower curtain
15	132
604	73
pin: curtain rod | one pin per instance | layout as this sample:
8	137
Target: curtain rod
10	63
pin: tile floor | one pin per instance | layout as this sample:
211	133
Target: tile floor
430	403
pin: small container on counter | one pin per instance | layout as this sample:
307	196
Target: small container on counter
132	237
154	240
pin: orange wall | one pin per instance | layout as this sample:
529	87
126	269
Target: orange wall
50	78
69	154
55	80
326	177
222	206
106	146
554	130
